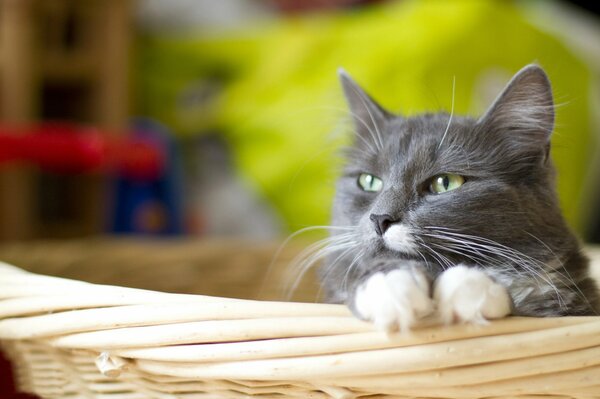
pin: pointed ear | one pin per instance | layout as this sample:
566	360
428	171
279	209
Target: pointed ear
525	108
368	116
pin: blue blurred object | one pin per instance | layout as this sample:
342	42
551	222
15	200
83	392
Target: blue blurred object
150	205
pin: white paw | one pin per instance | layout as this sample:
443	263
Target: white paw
394	300
468	295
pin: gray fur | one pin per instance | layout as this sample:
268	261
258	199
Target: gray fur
505	219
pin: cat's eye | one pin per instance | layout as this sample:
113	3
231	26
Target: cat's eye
370	183
445	182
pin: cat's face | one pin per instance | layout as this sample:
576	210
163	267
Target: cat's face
443	188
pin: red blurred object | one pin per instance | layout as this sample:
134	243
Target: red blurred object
68	148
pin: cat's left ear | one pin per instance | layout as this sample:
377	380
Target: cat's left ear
524	109
367	115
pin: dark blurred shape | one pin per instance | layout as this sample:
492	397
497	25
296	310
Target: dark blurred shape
590	6
7	383
60	100
595	234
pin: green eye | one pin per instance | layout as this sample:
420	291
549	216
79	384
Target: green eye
446	182
369	182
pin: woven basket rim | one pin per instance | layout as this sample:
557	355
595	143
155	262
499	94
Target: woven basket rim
171	338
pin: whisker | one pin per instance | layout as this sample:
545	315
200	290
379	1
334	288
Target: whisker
562	266
331	268
345	239
451	113
301	266
464	248
423	257
354	262
302	231
478	246
442	260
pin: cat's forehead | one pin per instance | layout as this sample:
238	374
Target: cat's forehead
412	144
425	126
417	134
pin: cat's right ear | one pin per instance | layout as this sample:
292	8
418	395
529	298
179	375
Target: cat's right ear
368	116
524	111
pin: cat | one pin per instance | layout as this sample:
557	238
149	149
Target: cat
454	216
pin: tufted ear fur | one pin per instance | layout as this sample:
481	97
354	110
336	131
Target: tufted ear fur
368	116
524	110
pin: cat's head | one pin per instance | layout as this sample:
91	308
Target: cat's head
443	187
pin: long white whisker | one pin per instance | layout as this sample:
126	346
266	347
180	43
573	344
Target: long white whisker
354	262
306	262
309	256
464	248
504	253
529	265
451	113
297	233
458	252
568	277
442	260
331	267
423	257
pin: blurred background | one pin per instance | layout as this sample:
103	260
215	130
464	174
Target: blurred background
196	119
182	122
202	118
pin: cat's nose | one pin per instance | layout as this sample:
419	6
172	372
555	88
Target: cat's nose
382	222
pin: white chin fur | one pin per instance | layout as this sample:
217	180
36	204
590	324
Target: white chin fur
398	238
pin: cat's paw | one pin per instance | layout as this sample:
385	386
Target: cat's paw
394	300
466	294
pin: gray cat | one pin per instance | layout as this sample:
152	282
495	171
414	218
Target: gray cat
454	216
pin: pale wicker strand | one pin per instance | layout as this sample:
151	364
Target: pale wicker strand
303	346
415	358
156	314
480	373
211	331
548	384
203	308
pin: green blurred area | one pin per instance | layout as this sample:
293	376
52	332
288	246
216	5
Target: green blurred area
278	102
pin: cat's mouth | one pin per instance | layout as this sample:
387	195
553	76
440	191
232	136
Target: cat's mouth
399	238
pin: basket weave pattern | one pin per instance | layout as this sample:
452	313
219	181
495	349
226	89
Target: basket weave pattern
70	339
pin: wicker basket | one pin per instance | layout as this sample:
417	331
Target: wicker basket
74	339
